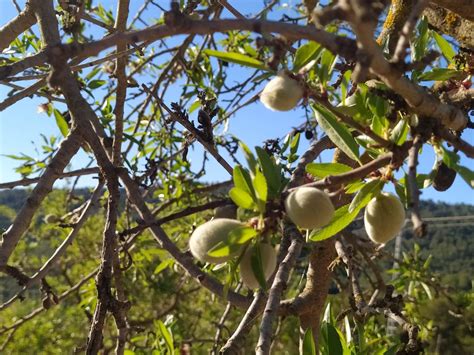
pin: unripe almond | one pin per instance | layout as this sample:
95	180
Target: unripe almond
208	235
268	256
309	208
384	218
282	93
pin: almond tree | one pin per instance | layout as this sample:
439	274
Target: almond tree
378	82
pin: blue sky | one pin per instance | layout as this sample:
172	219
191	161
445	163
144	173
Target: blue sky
21	125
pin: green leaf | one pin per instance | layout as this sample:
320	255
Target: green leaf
401	192
342	218
271	171
444	46
17	157
321	170
61	123
163	265
261	190
242	180
305	54
421	42
327	65
242	198
94	84
439	74
295	142
236	238
341	137
427	290
365	194
242	235
257	266
251	161
166	334
237	58
399	133
93	73
330	339
354	186
466	174
451	159
309	348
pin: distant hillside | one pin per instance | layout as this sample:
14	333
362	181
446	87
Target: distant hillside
452	246
450	242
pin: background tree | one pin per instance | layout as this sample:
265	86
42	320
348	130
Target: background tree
115	260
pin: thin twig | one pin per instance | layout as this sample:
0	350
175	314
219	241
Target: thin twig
59	252
193	130
29	181
419	227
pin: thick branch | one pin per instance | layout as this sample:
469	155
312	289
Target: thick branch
451	24
461	7
68	148
18	25
419	100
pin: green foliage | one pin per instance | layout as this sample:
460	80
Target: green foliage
337	132
171	311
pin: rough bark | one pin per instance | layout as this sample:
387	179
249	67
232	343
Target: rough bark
452	24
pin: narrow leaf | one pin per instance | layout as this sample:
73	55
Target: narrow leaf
251	161
337	132
399	133
444	46
94	84
236	238
271	171
261	190
166	336
257	266
242	235
242	180
331	339
365	194
466	174
342	218
237	58
305	54
309	348
321	170
242	198
295	141
439	74
61	123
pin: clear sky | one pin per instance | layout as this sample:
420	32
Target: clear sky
21	126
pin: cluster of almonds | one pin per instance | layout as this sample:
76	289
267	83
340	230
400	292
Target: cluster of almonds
208	235
306	207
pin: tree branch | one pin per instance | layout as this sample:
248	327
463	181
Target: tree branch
68	148
278	286
452	24
419	227
60	251
23	21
